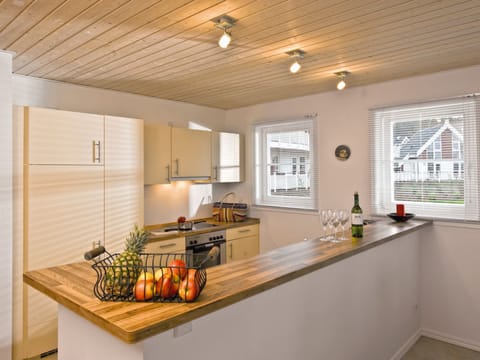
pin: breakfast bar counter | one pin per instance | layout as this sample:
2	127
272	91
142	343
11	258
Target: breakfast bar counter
136	322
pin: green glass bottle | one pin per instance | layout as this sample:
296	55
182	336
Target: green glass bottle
357	218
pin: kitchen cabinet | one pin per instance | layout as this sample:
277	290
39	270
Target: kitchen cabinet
227	157
63	215
60	137
123	179
176	245
71	200
242	242
176	154
170	246
191	154
158	154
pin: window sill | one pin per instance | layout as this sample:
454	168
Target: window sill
285	210
457	224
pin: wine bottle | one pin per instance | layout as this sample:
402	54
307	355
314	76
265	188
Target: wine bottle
357	218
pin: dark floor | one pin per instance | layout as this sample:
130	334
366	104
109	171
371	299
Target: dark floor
429	349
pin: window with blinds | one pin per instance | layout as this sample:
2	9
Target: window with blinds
426	156
285	170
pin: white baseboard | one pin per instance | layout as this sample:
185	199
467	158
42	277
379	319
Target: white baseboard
408	344
466	343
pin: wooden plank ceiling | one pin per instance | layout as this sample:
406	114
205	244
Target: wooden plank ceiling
168	49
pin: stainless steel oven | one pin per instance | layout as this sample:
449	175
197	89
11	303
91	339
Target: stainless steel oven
201	244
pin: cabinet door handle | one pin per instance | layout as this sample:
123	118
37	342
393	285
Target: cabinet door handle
167	245
244	230
168	173
215	169
231	251
96	149
177	167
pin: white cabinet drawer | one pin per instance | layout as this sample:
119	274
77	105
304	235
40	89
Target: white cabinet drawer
243	231
176	245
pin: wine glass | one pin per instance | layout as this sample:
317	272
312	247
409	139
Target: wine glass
331	233
325	217
335	222
344	215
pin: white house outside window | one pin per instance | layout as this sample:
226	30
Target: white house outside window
279	149
427	157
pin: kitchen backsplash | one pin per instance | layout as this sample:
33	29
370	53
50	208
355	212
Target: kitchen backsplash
164	203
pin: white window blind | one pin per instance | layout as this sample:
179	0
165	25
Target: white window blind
426	156
285	170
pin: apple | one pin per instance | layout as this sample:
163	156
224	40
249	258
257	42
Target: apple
192	273
175	286
161	272
146	275
178	267
167	283
189	289
144	290
163	287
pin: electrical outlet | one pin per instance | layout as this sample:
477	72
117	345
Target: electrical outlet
182	329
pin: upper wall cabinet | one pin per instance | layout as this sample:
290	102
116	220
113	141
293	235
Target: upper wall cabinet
185	154
158	154
191	154
63	137
227	157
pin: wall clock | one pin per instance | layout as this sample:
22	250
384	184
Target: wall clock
342	152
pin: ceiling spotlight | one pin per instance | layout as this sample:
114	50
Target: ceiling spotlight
342	75
224	23
296	54
224	40
295	67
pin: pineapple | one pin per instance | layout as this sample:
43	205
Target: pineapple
125	269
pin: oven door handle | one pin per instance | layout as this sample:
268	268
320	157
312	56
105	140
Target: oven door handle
203	247
212	255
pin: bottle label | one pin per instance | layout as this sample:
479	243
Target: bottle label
357	219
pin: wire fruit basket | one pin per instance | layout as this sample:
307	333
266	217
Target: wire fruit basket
166	277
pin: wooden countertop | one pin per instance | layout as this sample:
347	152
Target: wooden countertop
71	285
176	234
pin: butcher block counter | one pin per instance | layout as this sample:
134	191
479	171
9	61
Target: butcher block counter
71	285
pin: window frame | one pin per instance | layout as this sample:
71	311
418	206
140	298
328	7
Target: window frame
261	196
383	177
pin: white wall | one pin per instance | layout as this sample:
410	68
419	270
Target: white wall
163	203
452	308
6	210
450	283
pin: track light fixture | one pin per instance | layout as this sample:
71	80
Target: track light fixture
224	23
342	75
297	55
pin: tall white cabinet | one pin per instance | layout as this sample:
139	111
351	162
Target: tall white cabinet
123	179
82	184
